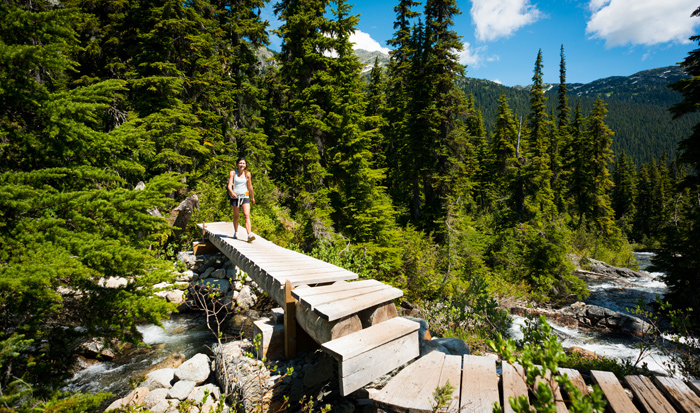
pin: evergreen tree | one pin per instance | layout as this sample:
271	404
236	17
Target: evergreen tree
403	50
539	199
69	220
623	200
505	164
302	146
560	138
599	136
434	142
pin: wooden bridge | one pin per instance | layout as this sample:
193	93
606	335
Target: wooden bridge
357	323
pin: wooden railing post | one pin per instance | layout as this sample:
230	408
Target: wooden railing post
290	323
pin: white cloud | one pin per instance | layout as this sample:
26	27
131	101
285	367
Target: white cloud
646	22
474	56
501	18
364	41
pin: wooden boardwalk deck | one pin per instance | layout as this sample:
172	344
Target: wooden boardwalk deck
356	322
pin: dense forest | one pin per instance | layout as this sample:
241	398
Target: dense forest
112	112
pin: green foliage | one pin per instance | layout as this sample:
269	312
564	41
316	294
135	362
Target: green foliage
540	355
679	342
538	255
471	315
442	396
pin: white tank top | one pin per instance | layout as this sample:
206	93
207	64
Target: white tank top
240	185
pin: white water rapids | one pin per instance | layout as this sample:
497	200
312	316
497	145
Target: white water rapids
613	296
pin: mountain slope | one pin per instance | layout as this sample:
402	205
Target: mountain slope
637	106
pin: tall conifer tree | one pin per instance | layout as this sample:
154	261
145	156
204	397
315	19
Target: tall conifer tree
539	198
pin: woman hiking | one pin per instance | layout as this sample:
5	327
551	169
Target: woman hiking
241	196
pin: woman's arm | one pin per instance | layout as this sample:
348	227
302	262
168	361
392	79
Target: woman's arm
230	183
250	188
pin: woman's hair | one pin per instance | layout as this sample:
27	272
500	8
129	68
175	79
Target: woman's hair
242	159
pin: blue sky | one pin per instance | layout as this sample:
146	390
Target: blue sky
501	38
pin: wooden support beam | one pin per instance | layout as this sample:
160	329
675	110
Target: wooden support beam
290	323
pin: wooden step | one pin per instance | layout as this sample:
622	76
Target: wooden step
648	397
479	390
369	353
412	389
617	398
513	383
680	395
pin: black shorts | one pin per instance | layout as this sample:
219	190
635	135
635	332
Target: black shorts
235	202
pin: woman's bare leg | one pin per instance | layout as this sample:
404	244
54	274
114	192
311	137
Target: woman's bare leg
246	216
235	218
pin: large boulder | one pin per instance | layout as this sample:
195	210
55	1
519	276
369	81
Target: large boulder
600	267
594	316
160	379
196	369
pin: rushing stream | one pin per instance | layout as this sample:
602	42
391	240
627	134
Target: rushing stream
187	334
184	333
613	296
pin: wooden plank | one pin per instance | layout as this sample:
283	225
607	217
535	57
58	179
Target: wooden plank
649	398
679	394
617	398
407	390
452	373
290	323
479	384
514	385
316	300
695	386
369	365
351	346
576	380
341	286
352	305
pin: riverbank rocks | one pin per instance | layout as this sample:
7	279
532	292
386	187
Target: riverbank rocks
164	389
196	369
600	317
599	267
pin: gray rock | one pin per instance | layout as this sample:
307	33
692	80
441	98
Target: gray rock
246	298
155	396
207	273
113	282
218	273
211	285
232	274
162	378
186	276
601	317
117	404
162	406
175	296
196	369
606	269
96	349
455	346
188	258
181	390
198	393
